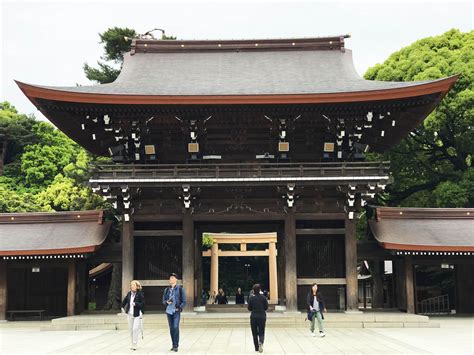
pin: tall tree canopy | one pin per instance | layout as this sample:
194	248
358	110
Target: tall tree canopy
117	42
44	170
433	166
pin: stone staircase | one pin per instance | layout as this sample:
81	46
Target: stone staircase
241	320
232	308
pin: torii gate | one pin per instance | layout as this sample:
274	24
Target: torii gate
243	240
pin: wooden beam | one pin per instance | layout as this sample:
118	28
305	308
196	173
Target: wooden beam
320	231
239	217
320	216
352	290
220	253
290	262
162	283
158	233
322	281
3	289
71	289
188	260
127	256
247	241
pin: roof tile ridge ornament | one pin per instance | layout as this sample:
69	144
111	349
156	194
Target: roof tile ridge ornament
342	44
386	212
152	45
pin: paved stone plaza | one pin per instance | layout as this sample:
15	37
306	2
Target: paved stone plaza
455	336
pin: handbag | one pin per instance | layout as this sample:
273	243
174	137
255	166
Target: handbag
310	315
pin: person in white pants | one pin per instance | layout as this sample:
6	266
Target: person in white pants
132	305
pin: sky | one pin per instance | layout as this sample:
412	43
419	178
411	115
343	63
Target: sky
47	42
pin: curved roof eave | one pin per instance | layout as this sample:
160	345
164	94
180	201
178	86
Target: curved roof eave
34	92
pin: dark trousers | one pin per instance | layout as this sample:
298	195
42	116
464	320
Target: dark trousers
173	322
258	330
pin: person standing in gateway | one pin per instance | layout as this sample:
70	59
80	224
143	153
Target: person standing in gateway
174	298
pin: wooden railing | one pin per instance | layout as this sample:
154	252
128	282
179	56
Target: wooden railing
244	170
435	305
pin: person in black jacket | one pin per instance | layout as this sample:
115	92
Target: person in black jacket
133	305
258	305
239	297
221	297
316	307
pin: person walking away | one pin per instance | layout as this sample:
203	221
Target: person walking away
239	297
133	305
258	305
174	298
315	304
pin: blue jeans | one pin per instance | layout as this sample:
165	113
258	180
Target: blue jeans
173	322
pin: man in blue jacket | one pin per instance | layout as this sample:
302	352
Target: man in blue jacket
174	298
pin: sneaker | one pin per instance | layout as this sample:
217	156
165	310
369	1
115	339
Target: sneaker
313	334
134	347
322	335
260	347
175	350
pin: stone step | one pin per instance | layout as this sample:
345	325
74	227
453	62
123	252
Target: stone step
232	308
240	320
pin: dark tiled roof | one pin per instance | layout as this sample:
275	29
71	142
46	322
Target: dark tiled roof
424	229
162	68
51	233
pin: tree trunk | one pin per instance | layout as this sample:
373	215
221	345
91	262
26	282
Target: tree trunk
115	290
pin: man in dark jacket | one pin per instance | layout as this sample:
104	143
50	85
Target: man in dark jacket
258	305
316	307
174	298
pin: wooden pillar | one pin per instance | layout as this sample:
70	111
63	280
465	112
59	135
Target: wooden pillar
377	272
399	273
352	297
214	268
3	290
291	293
198	267
272	272
409	286
82	283
127	256
71	289
188	260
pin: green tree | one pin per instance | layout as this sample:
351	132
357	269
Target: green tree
433	166
41	162
18	129
116	41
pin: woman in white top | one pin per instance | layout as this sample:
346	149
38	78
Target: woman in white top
133	304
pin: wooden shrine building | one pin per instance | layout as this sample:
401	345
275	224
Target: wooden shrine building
43	261
240	137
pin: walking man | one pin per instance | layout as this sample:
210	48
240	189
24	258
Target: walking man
258	305
174	298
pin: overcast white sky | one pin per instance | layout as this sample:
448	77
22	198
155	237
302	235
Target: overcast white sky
47	42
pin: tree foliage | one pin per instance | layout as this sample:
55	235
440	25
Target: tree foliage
116	41
45	170
433	166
